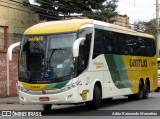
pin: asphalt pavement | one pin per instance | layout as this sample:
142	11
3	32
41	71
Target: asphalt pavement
117	106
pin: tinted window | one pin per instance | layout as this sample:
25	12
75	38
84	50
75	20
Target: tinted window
107	42
104	43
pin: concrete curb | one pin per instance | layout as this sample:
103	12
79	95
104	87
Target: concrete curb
9	100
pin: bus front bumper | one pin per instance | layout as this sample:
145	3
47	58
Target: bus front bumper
66	97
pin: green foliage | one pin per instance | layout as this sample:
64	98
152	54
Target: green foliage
58	9
147	27
105	12
151	27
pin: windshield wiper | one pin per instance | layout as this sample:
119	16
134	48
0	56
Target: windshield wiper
53	50
49	61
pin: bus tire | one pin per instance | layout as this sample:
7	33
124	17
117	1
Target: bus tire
47	107
146	91
96	102
107	100
157	90
139	96
131	97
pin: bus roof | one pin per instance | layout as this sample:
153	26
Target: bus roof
57	26
74	24
120	29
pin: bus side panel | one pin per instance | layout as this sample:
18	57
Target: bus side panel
141	68
118	74
115	81
122	73
87	81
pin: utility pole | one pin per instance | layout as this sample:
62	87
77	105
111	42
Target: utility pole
157	27
134	3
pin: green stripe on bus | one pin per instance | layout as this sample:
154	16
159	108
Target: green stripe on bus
57	85
117	71
122	71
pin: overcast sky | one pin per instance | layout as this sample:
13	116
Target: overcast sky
143	10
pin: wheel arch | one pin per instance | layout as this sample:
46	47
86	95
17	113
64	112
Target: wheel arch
148	81
142	80
99	84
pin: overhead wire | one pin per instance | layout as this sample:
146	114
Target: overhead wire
26	7
41	9
60	5
34	6
26	11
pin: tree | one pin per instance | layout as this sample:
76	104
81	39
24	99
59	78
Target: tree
105	11
151	27
59	9
140	26
147	27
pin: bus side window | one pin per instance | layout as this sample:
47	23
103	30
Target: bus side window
140	47
99	47
88	44
108	42
84	51
81	58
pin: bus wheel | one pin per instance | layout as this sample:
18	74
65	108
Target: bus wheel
146	91
107	100
47	107
157	90
131	97
139	96
96	102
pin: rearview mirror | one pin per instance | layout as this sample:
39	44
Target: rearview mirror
76	46
10	49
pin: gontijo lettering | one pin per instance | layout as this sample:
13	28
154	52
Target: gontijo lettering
138	63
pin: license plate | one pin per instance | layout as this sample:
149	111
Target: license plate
44	99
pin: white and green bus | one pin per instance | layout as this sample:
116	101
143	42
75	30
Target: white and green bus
84	61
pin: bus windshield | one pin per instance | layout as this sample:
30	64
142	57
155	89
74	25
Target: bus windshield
46	58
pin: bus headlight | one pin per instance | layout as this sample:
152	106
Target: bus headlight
22	89
68	87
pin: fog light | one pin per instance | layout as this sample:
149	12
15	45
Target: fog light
69	96
23	99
